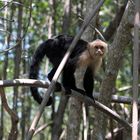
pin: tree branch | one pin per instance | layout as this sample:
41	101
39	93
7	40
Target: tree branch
115	22
24	82
41	128
102	108
14	117
87	100
44	84
26	29
135	83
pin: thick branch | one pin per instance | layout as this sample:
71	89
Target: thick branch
14	117
43	84
102	108
117	99
87	100
24	82
115	22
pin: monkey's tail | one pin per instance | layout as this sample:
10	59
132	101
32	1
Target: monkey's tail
34	70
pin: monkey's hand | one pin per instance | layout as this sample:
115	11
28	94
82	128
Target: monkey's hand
92	98
80	91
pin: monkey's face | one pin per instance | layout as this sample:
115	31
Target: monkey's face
99	50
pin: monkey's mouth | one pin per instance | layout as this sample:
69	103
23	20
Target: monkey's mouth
99	54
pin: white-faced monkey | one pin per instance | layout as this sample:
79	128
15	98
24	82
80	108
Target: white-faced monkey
85	54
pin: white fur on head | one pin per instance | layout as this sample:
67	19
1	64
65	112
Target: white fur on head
98	42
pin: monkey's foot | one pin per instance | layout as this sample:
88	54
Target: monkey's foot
67	91
81	91
92	98
50	101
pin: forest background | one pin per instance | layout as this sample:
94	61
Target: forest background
24	24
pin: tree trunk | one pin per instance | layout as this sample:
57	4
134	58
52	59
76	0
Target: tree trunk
58	118
5	65
23	98
74	121
17	60
89	33
115	58
66	18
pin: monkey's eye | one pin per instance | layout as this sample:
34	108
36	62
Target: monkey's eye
101	47
96	47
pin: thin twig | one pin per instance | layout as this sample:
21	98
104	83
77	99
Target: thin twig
6	5
94	28
2	18
20	39
44	126
24	82
1	30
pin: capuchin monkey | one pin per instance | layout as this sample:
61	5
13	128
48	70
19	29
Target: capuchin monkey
87	55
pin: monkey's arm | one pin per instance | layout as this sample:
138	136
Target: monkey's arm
68	80
88	82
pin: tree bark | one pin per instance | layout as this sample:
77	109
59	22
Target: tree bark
66	18
58	118
17	60
115	58
23	99
73	128
5	66
111	29
89	35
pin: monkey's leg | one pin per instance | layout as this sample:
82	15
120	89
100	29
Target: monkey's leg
68	80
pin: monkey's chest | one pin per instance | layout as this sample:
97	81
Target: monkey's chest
79	76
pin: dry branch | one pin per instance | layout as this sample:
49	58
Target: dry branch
115	22
24	82
102	108
87	100
41	128
44	84
14	117
135	72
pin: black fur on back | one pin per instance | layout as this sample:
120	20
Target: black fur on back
54	49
